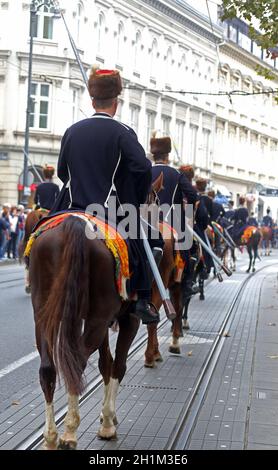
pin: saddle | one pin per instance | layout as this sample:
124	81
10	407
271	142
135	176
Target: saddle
247	233
111	237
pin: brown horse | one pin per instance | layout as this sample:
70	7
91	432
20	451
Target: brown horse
31	220
167	270
266	234
74	303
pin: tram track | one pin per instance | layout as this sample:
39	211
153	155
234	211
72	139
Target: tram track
185	424
187	418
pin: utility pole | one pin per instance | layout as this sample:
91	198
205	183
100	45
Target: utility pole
34	7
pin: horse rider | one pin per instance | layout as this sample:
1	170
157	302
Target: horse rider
101	159
177	189
217	214
252	221
267	220
200	225
240	219
47	191
229	214
205	201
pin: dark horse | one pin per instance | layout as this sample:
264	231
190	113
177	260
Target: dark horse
75	299
251	243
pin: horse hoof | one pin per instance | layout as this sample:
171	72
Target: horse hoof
49	446
202	297
248	270
186	325
150	365
253	270
174	350
66	445
28	289
107	434
158	358
115	421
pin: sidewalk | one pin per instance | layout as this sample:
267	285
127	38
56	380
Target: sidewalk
240	410
7	261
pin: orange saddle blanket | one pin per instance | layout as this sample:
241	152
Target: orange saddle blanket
112	239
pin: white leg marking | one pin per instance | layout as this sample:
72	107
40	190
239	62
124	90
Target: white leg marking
50	431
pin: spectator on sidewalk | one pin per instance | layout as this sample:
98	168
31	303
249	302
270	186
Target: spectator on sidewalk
13	219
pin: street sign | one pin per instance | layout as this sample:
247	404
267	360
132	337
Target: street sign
4	156
27	191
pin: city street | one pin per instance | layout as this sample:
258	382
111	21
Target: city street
18	356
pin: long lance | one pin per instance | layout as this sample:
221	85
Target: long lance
216	266
216	229
169	309
230	238
209	250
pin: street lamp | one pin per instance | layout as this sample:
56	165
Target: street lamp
34	7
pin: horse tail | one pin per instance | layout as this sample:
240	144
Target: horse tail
66	306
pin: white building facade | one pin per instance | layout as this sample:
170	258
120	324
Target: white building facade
161	49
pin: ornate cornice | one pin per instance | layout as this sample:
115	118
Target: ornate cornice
236	52
182	13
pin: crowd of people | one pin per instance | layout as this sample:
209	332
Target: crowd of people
12	223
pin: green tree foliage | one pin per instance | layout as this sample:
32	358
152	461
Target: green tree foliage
263	12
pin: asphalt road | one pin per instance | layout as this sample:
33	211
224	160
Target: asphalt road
17	340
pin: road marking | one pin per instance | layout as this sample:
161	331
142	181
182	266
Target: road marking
15	365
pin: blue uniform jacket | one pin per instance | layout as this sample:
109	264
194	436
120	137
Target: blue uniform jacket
267	221
98	153
46	194
176	186
241	215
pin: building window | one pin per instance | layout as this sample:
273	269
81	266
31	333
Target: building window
39	105
120	42
257	50
78	20
150	127
168	66
75	105
137	48
193	143
235	82
134	117
166	120
101	32
206	147
153	64
180	126
43	27
232	33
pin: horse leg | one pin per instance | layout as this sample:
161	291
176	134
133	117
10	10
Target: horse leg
105	366
68	441
128	327
152	353
27	281
185	324
176	298
249	250
47	374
